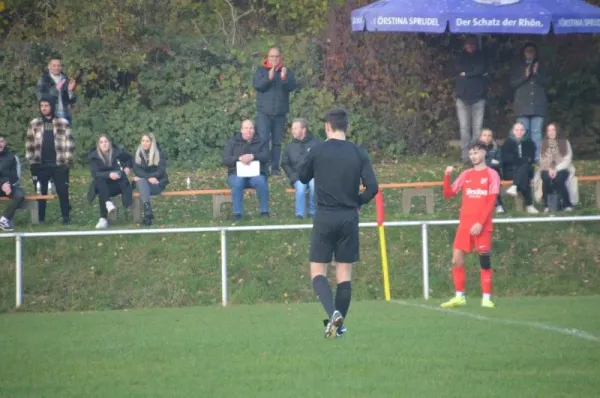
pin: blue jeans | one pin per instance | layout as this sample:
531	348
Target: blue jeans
301	198
533	129
238	184
64	115
470	120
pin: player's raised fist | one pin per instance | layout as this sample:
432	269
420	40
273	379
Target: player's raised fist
449	170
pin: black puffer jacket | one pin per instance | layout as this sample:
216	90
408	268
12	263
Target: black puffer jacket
493	153
513	158
273	96
295	153
99	169
473	86
8	168
237	146
530	92
47	87
143	170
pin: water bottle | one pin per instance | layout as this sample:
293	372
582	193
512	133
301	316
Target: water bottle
39	188
189	183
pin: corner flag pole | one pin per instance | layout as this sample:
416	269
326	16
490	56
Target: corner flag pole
384	261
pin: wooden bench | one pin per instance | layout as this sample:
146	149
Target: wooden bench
219	196
409	191
30	204
412	190
595	179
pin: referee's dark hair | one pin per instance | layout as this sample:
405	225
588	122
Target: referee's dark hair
337	119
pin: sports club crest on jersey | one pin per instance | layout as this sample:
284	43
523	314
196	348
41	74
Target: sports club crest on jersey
484	180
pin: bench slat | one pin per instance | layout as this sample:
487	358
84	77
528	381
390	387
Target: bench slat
37	197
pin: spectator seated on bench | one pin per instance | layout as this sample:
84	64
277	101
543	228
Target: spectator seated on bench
110	167
493	160
10	172
240	156
518	157
150	168
555	182
294	154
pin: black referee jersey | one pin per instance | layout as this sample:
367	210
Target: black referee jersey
338	168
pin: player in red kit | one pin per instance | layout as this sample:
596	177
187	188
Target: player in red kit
480	186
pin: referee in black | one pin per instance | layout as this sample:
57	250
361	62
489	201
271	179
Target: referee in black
338	168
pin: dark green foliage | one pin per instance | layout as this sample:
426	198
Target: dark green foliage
184	70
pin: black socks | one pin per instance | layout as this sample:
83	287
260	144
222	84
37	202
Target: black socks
343	294
324	293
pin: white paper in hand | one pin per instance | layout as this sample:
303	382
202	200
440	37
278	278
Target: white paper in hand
248	170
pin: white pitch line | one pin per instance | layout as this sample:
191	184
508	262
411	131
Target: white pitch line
538	325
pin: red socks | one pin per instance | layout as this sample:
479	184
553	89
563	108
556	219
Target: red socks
486	281
458	275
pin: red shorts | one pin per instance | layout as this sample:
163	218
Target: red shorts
467	243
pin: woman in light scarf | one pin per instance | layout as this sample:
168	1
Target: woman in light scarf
556	172
150	168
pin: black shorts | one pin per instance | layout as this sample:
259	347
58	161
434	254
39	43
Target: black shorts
335	236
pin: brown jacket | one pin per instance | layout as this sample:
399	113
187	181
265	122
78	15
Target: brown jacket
63	141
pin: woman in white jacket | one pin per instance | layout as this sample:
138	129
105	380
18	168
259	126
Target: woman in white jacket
556	173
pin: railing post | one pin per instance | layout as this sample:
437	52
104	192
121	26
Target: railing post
425	248
19	271
224	267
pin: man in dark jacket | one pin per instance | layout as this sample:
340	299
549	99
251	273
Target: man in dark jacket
517	156
530	80
471	91
240	152
9	185
273	83
294	154
57	85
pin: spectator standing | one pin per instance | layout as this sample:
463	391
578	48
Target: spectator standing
529	79
471	92
49	150
273	82
57	85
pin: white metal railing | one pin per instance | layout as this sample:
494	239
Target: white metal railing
19	236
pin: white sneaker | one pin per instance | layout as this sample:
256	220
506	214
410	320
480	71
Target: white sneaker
499	209
512	190
110	207
568	209
102	224
532	210
546	210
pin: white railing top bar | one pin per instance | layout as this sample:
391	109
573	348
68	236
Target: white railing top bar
273	227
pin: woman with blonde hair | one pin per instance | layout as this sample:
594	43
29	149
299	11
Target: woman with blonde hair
556	173
150	168
110	166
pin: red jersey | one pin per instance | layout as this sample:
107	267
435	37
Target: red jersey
480	188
